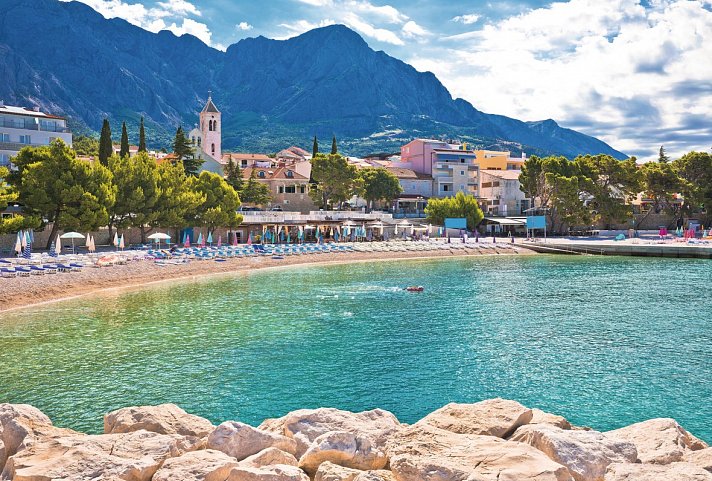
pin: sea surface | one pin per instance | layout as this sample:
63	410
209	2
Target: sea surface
603	341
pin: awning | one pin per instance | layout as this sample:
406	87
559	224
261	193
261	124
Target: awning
505	221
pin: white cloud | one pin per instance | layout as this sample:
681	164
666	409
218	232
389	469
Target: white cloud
467	19
612	69
244	26
156	19
413	30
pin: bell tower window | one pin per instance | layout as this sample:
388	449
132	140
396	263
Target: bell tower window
212	147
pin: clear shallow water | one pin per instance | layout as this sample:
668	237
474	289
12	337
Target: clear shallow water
603	341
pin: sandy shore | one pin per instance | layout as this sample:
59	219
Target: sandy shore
27	291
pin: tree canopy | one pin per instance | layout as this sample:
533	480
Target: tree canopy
233	176
185	153
380	185
221	202
336	180
254	191
137	192
459	206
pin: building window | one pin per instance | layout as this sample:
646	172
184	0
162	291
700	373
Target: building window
462	187
4	159
4	137
302	189
486	185
199	141
244	163
462	161
495	184
290	189
290	174
462	172
25	139
446	188
281	189
212	148
261	174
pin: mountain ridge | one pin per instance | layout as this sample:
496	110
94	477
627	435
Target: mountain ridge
272	92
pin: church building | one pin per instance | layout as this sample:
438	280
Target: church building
207	138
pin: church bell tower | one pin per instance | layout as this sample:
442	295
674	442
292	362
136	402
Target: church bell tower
211	127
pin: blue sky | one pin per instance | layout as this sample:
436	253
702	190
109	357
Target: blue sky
635	73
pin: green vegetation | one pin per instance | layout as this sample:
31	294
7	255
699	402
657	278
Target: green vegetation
106	147
233	176
315	147
334	148
336	181
219	209
379	185
125	148
459	206
254	191
7	195
85	146
185	154
141	137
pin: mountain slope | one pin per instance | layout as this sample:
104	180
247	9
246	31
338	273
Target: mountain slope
65	57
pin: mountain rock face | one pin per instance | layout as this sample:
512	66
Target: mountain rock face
67	58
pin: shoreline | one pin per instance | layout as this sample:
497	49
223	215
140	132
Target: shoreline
35	291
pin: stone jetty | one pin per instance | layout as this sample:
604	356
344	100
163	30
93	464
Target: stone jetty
494	440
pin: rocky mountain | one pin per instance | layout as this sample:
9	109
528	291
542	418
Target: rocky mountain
67	58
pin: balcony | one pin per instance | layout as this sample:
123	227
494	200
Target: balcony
11	124
16	146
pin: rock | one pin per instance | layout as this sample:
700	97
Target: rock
162	419
268	457
494	417
305	425
426	453
656	472
240	440
586	454
380	475
22	425
132	456
345	449
701	458
542	417
329	471
279	472
203	465
659	441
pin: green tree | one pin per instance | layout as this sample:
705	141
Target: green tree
177	201
67	192
137	192
106	147
336	180
334	148
695	168
315	147
380	185
660	184
124	152
141	137
233	176
219	208
185	154
255	192
662	156
8	194
85	146
459	206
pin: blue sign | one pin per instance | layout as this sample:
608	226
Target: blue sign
536	222
456	223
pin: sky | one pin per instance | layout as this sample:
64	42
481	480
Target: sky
636	74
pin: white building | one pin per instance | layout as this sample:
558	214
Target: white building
21	127
500	193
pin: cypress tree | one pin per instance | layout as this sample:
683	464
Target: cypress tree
124	152
105	146
141	138
334	150
662	157
315	149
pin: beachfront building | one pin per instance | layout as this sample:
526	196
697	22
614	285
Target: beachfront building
500	194
289	188
22	127
417	189
452	167
499	160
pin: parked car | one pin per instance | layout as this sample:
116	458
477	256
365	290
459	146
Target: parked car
276	208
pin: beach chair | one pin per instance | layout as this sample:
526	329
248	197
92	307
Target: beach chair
8	272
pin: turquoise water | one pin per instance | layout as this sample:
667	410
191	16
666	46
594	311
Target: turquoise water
603	341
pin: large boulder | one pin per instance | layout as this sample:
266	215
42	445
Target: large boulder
586	454
656	472
132	456
380	475
543	417
203	465
22	425
701	458
305	425
345	449
279	472
241	440
658	441
494	417
161	419
268	457
329	471
427	453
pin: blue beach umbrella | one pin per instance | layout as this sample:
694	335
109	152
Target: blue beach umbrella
27	252
210	238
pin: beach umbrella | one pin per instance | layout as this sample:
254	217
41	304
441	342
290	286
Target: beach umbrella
158	237
71	235
23	238
121	242
27	251
249	239
210	239
220	240
115	242
234	239
200	239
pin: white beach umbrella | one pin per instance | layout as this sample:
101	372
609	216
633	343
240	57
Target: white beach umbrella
71	235
116	239
18	245
158	237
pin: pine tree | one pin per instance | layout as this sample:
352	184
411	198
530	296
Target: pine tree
334	150
124	152
141	138
662	157
105	145
183	149
315	149
233	176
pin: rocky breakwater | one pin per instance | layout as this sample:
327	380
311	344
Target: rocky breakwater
494	440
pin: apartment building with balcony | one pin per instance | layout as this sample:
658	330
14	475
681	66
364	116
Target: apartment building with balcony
501	194
22	127
452	167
